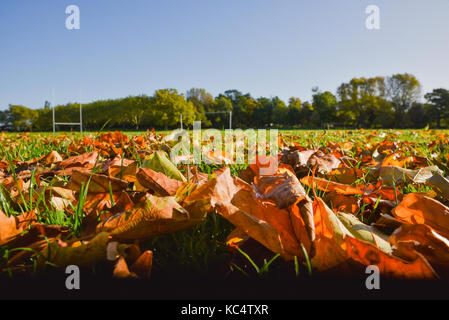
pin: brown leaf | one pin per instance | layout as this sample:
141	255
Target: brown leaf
60	198
121	168
14	225
411	239
82	254
121	270
52	157
263	221
391	175
142	266
389	266
325	162
221	188
98	183
157	215
418	209
37	231
158	182
86	160
330	186
287	192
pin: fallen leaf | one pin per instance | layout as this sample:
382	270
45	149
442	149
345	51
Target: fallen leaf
418	209
330	186
158	182
364	232
159	162
97	183
157	215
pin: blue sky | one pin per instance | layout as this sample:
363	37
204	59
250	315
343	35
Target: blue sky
265	47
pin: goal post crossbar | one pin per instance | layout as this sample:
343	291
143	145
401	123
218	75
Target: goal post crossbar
80	123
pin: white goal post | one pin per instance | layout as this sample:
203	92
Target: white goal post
66	123
212	112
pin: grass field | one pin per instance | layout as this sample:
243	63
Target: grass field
29	175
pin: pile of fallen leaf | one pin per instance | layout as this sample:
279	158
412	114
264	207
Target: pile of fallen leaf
333	211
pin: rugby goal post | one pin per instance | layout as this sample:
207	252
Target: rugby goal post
80	124
212	112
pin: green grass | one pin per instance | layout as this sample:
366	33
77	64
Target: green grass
203	247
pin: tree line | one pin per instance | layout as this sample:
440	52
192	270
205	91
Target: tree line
378	102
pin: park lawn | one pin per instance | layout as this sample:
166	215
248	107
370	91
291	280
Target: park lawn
202	248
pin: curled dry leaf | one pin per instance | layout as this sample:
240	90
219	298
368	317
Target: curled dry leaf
159	162
389	266
14	225
52	157
337	248
303	161
342	203
236	237
391	175
60	198
197	177
36	232
85	160
297	159
157	215
81	254
97	202
263	221
121	270
121	168
330	186
143	265
97	183
158	182
440	184
221	188
346	175
364	232
286	191
325	162
417	209
411	239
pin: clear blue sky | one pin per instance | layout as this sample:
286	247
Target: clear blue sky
265	47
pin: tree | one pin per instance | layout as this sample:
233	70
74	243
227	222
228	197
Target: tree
306	115
439	99
403	90
22	118
362	102
243	106
5	119
204	102
263	114
135	108
221	103
324	108
294	111
280	112
418	115
168	105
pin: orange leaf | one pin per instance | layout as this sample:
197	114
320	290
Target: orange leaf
418	209
329	186
158	182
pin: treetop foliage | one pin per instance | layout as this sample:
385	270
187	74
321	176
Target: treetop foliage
378	102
